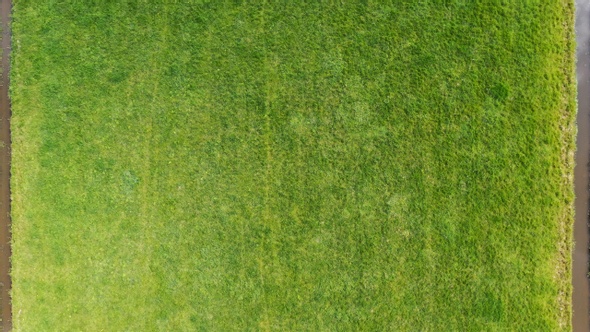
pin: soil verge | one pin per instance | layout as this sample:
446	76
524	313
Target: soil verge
5	7
580	297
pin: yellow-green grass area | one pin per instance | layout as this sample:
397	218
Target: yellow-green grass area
292	166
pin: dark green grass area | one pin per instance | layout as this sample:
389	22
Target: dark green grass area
224	166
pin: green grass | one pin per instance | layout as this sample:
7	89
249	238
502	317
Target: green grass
217	166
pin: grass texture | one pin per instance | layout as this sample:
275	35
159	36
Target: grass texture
297	166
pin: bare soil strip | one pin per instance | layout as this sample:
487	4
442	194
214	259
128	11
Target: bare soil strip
5	7
580	298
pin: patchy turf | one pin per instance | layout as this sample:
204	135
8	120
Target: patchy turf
315	167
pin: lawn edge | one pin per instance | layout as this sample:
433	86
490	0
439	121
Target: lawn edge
568	131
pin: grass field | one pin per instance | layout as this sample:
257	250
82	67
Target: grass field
217	166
